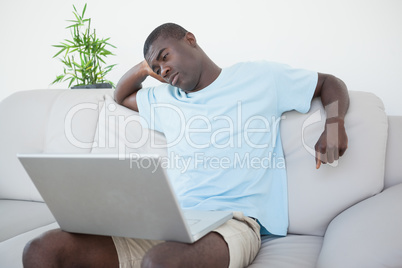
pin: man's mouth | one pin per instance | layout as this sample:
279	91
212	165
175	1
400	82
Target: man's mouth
173	79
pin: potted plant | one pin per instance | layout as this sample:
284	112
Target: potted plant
84	55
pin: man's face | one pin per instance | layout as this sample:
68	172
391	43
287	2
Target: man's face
176	61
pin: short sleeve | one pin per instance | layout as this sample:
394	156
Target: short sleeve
145	101
295	88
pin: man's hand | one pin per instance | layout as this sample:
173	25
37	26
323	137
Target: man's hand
152	73
126	89
335	98
333	142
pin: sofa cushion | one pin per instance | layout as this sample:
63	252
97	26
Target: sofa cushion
367	234
73	119
119	131
317	196
53	121
293	251
22	216
23	121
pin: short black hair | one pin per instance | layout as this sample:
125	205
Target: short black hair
166	30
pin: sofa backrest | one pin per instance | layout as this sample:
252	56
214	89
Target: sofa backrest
39	121
89	121
317	196
393	163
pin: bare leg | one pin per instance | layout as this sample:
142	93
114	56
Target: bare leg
209	251
57	248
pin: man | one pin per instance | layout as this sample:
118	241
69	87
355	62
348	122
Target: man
230	120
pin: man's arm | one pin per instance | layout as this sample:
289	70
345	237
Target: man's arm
128	86
335	98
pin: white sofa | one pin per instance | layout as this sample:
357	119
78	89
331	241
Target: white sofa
349	215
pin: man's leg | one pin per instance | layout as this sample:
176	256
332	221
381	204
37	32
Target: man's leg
209	251
233	244
61	249
57	248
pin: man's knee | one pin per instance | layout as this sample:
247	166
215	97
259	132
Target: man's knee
209	251
44	250
162	255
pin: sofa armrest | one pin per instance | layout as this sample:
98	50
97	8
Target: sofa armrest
367	234
393	158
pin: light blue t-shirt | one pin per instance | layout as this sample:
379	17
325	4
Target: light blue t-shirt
224	146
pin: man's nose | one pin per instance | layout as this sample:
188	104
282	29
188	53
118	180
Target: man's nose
165	72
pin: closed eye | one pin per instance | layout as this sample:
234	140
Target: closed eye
165	56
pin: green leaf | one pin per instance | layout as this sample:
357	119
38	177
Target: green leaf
71	42
78	18
67	51
110	45
64	44
111	66
86	53
76	64
82	60
101	60
72	81
89	62
85	8
66	63
58	79
106	52
58	53
72	25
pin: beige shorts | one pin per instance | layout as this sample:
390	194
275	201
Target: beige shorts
242	235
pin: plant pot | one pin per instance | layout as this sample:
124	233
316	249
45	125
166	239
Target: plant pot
100	85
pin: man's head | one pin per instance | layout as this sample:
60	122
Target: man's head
173	53
167	30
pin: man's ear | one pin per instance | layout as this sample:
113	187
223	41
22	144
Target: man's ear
190	38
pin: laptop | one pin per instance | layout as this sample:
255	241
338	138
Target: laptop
116	196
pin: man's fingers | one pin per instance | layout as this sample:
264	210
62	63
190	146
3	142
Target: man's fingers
336	154
342	151
317	166
331	145
328	157
322	158
331	155
317	160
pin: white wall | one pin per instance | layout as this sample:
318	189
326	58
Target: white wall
359	41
